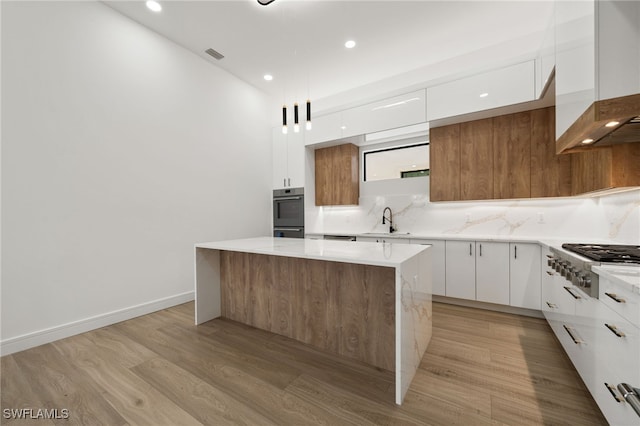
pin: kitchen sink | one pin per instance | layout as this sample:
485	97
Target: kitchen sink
384	234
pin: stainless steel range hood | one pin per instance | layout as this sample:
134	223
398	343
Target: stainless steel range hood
604	123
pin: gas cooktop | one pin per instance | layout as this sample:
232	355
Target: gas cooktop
607	253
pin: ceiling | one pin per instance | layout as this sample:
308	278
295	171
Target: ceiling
301	43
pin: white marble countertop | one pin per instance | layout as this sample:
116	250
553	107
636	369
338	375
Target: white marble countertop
625	275
366	253
546	241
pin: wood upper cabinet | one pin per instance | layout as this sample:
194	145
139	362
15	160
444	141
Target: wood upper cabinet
444	158
509	156
476	152
550	173
337	180
613	166
512	155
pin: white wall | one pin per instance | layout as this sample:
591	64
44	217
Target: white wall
120	150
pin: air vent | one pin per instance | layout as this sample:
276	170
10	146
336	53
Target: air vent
215	54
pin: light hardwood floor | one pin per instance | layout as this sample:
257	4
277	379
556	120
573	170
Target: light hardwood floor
481	368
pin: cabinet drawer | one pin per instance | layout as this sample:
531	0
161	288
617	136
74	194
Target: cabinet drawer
605	392
620	300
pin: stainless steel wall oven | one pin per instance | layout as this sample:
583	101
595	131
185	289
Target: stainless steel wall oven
288	213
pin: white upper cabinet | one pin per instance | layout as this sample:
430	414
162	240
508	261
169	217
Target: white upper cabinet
497	88
324	128
546	60
288	159
389	113
597	55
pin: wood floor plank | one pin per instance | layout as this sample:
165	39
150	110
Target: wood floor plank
481	368
17	393
59	384
133	398
208	404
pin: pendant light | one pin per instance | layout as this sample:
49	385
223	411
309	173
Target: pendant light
284	119
296	123
308	127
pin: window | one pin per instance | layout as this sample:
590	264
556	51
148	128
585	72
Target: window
397	162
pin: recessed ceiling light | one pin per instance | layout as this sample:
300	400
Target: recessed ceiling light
154	5
350	44
268	77
587	141
612	124
484	95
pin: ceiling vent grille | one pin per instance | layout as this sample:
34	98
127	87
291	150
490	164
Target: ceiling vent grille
215	54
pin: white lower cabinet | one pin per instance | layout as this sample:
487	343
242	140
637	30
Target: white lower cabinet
602	344
438	261
492	272
524	275
460	269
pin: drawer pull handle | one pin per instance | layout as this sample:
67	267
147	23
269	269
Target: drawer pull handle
568	330
613	392
575	296
616	298
614	330
552	305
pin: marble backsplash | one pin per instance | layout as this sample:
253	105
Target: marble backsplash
613	217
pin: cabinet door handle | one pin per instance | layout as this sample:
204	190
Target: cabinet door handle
284	181
288	181
613	392
470	254
480	250
616	298
552	305
614	330
515	252
575	296
570	333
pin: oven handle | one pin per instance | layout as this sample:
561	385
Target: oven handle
287	198
288	229
631	395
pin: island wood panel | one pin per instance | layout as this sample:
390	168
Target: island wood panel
314	298
550	173
367	309
512	156
476	157
444	159
343	308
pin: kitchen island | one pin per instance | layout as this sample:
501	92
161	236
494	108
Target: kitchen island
366	301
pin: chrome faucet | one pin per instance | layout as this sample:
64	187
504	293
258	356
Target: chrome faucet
390	218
